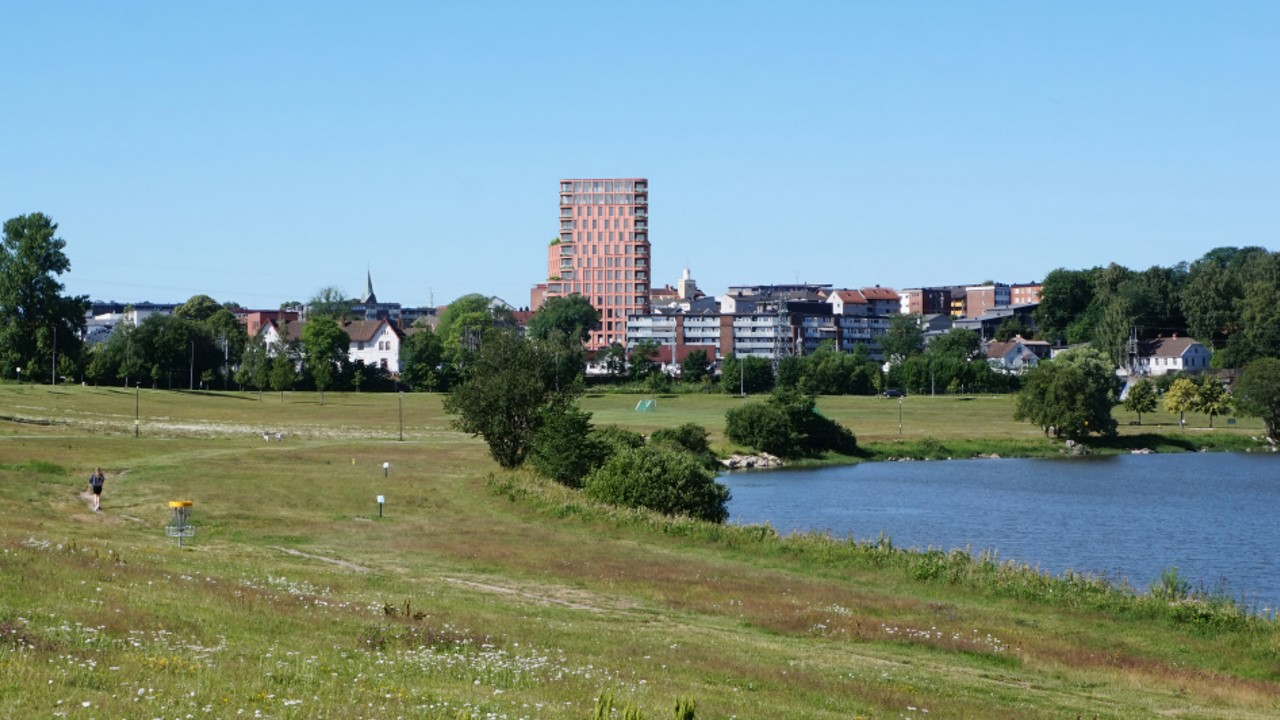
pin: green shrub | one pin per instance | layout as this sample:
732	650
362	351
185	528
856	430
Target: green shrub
617	438
564	448
665	481
688	438
762	427
788	424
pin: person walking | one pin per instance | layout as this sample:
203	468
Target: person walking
96	480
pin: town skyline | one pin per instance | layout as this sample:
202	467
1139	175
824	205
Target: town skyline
258	154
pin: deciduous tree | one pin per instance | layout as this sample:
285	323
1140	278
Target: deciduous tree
695	366
508	386
1141	398
1257	393
1180	397
1070	395
572	316
421	361
331	303
904	338
36	320
1212	397
324	348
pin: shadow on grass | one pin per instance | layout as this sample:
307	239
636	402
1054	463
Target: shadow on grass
224	394
1158	442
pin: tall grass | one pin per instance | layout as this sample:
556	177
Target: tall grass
983	572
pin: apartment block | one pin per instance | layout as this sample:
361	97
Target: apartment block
602	252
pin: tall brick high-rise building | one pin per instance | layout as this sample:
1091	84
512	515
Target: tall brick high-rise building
602	252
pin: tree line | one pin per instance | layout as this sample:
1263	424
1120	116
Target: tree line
1226	300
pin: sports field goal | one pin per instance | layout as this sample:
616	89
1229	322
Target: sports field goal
647	405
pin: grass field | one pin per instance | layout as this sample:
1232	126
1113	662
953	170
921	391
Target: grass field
295	600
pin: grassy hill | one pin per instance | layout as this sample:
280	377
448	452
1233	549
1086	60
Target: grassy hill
481	594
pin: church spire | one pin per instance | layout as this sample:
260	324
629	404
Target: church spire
369	297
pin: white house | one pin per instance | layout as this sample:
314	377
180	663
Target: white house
270	334
1172	354
1016	355
375	343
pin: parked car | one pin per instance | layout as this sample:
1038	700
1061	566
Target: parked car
894	393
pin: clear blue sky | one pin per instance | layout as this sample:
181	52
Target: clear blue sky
260	151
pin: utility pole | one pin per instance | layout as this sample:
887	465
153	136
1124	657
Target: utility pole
53	372
191	381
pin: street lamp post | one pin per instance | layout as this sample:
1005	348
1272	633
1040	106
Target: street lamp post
137	392
400	404
19	375
899	416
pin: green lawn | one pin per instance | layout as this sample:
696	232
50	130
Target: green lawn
295	600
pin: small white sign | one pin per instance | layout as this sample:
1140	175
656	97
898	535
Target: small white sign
386	466
381	500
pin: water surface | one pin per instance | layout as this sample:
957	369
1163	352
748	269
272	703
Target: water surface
1213	515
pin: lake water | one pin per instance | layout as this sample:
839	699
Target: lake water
1216	516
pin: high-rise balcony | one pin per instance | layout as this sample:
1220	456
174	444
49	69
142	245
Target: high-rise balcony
566	199
642	199
641	225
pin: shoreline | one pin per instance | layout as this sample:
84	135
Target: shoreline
927	449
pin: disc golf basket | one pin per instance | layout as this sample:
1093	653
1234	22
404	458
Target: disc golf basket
180	520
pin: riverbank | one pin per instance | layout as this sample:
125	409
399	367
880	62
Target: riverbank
994	448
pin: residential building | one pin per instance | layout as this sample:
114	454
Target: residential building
980	298
1172	354
767	322
254	320
1024	293
926	301
374	343
988	322
271	333
883	301
1016	355
602	251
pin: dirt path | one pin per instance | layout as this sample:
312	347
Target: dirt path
346	565
545	599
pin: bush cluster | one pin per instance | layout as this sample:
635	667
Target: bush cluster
672	473
788	424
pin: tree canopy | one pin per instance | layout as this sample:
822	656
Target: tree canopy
324	348
421	361
1070	395
330	303
36	320
508	385
572	316
1257	393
